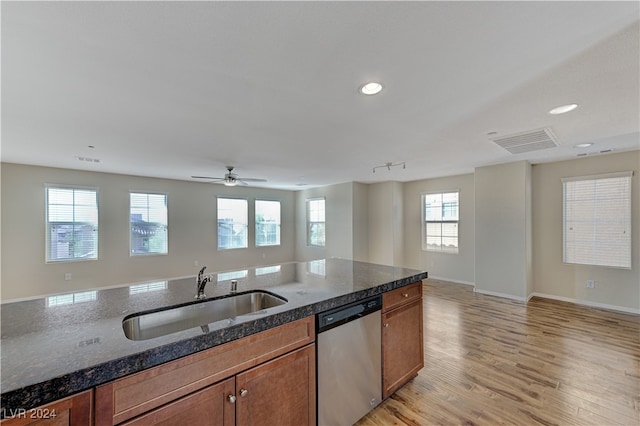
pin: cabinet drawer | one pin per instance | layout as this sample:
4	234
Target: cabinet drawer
72	411
401	296
133	395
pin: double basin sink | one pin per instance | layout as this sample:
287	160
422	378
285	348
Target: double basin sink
150	324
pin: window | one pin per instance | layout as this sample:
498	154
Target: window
148	220
440	222
597	220
315	222
72	224
267	223
232	223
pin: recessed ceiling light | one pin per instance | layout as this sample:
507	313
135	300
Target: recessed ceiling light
582	145
371	88
563	108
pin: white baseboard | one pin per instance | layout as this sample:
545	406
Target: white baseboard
586	303
431	277
504	295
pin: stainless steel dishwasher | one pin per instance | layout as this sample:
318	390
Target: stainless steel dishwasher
349	362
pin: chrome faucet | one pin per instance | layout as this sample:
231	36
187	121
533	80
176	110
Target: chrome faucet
200	283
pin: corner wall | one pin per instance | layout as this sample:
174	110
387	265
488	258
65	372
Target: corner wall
615	288
447	266
339	216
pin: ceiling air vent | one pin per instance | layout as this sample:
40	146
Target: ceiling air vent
528	141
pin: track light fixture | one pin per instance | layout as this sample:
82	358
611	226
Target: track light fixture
388	166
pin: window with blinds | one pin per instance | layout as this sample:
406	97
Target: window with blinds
597	220
71	224
148	218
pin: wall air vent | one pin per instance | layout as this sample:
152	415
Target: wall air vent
528	141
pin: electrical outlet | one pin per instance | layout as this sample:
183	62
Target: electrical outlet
591	284
67	276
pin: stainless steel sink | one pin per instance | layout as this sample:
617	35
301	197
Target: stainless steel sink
147	325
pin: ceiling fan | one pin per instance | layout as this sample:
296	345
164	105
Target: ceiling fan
230	178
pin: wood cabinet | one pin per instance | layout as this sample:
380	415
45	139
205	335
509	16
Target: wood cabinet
210	406
402	342
204	385
72	411
279	392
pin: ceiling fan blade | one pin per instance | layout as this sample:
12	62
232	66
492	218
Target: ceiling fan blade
205	177
252	179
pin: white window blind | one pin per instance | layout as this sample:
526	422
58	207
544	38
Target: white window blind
597	220
71	223
149	224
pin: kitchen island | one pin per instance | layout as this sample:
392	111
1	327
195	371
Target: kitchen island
58	346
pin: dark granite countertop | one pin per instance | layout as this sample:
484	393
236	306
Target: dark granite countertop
56	346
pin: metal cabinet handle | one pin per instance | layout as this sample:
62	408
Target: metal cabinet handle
386	324
405	294
243	392
231	398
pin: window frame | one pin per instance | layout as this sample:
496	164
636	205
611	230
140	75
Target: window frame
310	223
246	200
279	224
166	199
597	242
425	246
47	247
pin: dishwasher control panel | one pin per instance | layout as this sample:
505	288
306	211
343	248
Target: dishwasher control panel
334	317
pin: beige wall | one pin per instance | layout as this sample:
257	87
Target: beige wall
502	219
386	223
614	287
454	267
339	216
192	231
515	250
361	222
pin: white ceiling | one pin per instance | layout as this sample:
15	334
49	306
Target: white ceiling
174	89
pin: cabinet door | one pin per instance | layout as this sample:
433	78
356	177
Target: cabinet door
280	392
72	411
211	406
402	346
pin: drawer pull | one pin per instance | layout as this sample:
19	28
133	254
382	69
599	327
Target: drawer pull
405	294
243	392
386	324
231	398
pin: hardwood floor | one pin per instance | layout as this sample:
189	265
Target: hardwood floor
495	361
